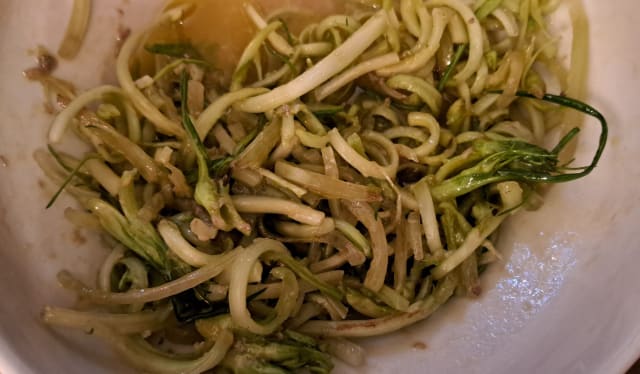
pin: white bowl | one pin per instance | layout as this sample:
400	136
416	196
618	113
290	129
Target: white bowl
565	300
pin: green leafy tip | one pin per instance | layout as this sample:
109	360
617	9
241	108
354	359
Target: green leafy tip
487	8
447	74
285	59
285	27
602	141
514	160
200	150
68	180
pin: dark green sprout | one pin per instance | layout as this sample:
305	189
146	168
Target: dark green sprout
454	62
515	160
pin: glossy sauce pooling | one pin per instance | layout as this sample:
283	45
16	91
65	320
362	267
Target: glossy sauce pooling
220	29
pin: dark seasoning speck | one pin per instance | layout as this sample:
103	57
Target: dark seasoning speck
419	346
123	34
77	238
46	63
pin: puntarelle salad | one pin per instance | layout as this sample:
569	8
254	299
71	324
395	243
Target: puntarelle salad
342	182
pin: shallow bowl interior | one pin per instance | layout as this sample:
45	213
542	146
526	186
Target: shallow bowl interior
563	300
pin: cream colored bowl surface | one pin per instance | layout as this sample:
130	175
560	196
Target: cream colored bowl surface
566	299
